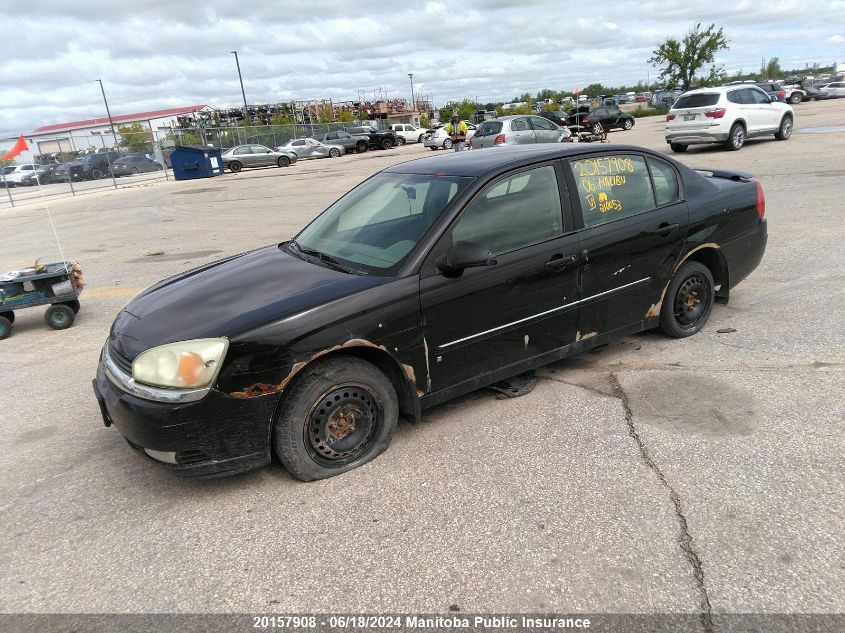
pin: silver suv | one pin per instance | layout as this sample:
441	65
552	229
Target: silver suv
728	115
518	129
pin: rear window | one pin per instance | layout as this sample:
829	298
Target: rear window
697	101
488	128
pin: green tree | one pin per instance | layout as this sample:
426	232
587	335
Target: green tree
136	137
346	116
679	61
424	122
773	69
280	118
465	110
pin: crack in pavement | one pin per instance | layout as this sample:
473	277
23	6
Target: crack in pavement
685	539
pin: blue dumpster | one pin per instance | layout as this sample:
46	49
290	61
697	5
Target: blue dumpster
196	161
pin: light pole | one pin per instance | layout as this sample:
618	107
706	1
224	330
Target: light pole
111	125
413	101
241	79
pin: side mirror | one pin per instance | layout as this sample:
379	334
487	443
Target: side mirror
464	255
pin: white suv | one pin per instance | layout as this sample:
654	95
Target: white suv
726	114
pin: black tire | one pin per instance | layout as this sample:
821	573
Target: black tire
360	147
386	143
795	97
597	129
5	328
678	147
688	301
313	436
400	140
736	137
96	174
135	170
73	305
629	123
59	316
283	161
334	152
447	144
421	138
785	129
434	148
235	166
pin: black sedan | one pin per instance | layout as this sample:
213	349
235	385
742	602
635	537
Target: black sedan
430	279
596	120
134	164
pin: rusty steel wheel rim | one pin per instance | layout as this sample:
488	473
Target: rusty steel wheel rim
343	425
691	301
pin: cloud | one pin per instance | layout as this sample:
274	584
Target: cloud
165	54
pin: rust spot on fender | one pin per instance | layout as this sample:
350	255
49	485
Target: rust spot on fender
654	310
262	389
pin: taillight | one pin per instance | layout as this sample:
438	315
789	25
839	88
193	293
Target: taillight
499	140
718	113
781	95
670	117
761	201
585	120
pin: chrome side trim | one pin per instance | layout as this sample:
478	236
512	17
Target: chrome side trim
542	314
127	383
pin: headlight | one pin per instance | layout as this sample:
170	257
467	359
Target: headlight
183	365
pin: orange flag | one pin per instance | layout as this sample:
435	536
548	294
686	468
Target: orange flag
19	148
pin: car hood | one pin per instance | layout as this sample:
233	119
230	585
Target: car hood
228	298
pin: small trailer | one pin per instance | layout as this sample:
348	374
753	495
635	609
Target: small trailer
57	285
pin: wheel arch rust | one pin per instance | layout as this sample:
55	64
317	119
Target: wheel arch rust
709	254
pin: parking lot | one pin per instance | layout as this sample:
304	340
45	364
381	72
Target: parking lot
653	475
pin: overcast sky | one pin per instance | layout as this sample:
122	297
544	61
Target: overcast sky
155	54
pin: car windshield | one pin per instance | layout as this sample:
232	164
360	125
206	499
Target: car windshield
697	101
374	227
488	128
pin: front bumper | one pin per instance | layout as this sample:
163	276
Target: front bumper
217	435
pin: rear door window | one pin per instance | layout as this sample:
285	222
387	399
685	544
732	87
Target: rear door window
665	180
539	123
611	187
519	125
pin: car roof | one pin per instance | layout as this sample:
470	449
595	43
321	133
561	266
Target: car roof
499	159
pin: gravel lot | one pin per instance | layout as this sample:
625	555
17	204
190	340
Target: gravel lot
694	475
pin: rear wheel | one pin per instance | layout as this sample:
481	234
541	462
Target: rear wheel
283	161
688	301
447	144
135	170
334	152
96	174
420	139
785	129
678	147
795	97
235	166
338	414
360	147
5	327
73	305
736	137
59	316
400	140
386	143
597	129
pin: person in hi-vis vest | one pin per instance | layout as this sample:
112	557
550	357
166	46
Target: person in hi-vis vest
457	131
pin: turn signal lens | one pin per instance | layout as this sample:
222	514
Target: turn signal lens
182	365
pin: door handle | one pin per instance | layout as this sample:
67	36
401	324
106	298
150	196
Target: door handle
559	262
665	229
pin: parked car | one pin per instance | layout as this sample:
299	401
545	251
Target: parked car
134	164
384	139
89	167
241	156
518	129
664	98
728	115
776	92
596	120
436	138
305	148
43	174
427	281
640	98
350	142
559	117
835	88
15	175
406	133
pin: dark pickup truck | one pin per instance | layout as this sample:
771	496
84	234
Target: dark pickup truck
378	139
352	142
91	167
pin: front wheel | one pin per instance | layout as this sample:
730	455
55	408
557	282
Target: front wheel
361	147
235	166
339	413
597	129
794	98
283	161
420	139
629	123
135	171
736	137
678	147
785	129
334	152
688	301
5	328
96	174
59	316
